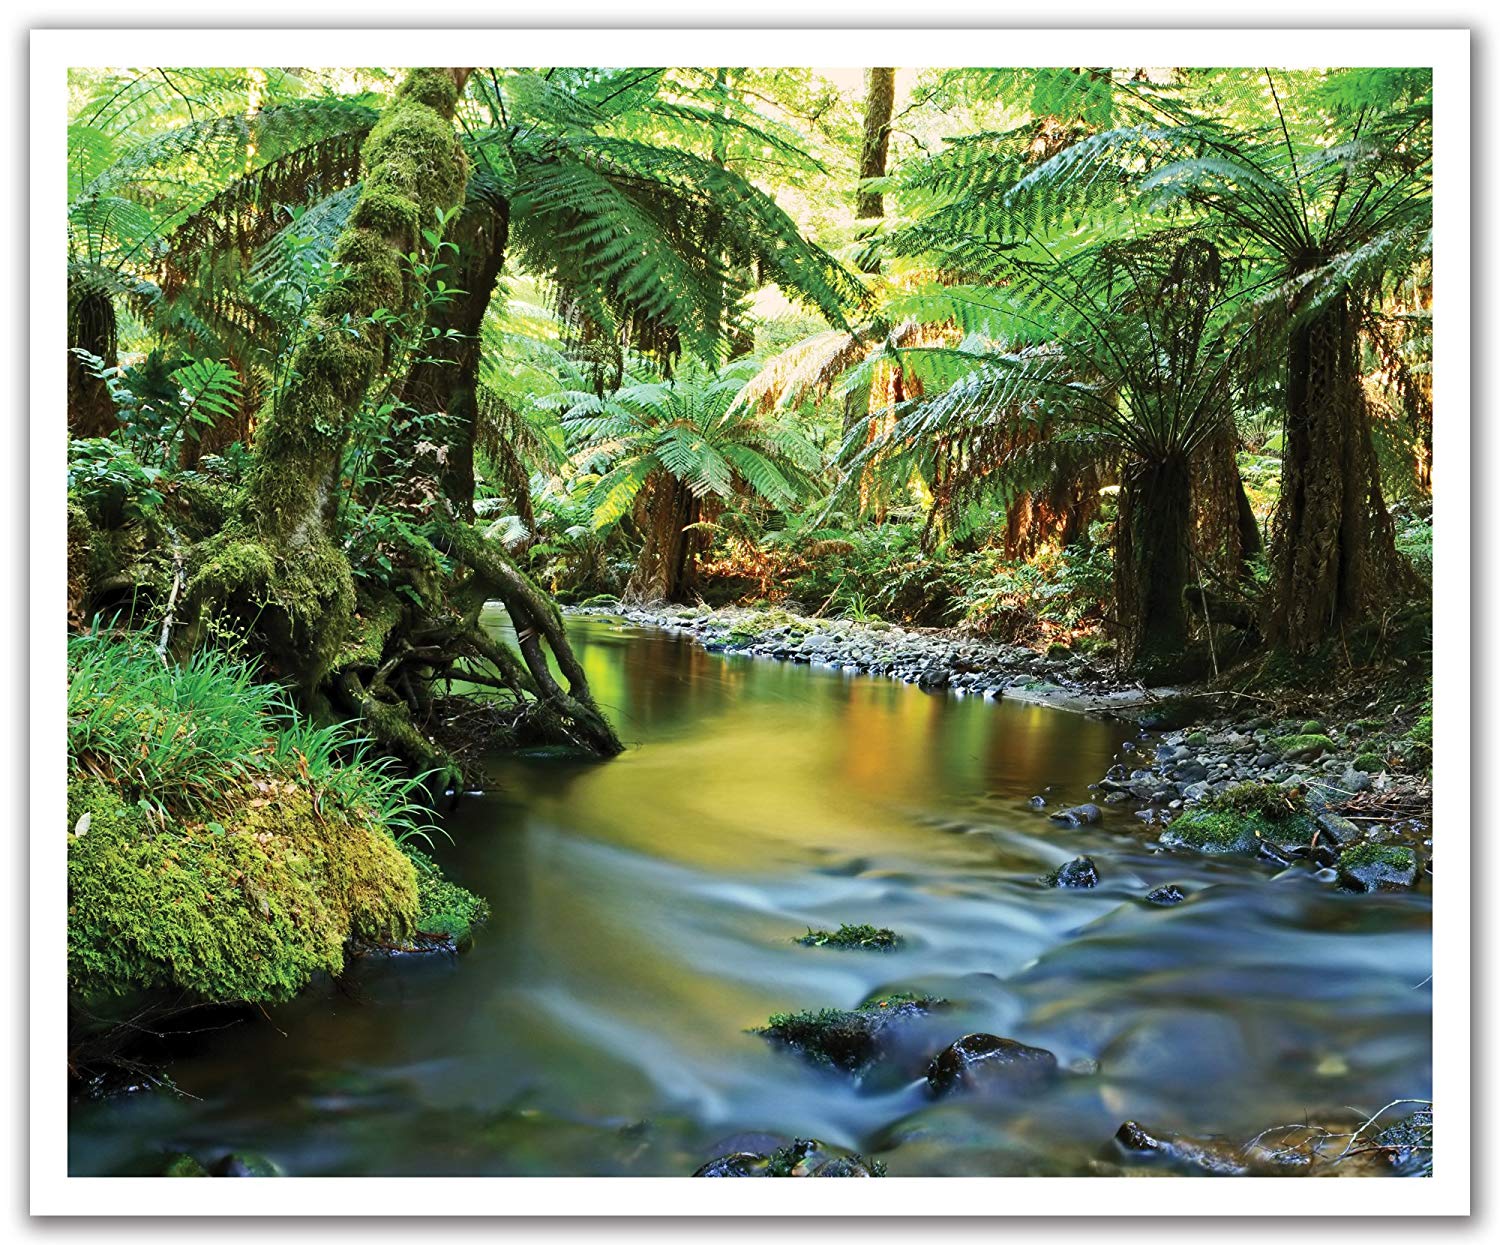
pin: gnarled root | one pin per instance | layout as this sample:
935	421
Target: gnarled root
536	619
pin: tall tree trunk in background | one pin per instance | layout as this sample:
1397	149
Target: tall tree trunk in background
1334	545
667	568
1151	563
91	327
880	100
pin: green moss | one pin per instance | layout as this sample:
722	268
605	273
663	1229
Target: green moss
1198	739
1421	731
1058	652
246	905
1378	854
1312	727
846	937
443	907
1369	763
1240	818
1307	745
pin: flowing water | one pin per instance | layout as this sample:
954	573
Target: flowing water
644	916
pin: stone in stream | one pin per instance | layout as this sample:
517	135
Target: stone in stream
246	1163
1376	867
1166	895
1037	801
1078	815
1209	1157
847	1040
801	1158
1077	874
983	1062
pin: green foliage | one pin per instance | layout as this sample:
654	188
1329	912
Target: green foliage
111	483
689	429
161	403
170	738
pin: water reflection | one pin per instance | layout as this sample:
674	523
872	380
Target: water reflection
644	911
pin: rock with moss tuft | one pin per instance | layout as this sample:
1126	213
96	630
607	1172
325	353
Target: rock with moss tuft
1307	746
1377	866
1369	763
1242	819
849	1040
852	938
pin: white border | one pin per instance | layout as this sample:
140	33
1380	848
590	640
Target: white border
1447	1192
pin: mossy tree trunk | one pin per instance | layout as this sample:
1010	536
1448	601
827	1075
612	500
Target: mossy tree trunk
278	574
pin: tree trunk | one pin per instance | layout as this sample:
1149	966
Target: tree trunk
1151	563
667	568
1333	537
446	379
880	98
277	571
91	327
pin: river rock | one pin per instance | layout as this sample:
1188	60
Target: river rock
1078	815
1208	1157
1166	895
1079	873
1374	867
246	1163
983	1062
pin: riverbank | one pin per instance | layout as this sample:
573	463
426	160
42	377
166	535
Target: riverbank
1198	743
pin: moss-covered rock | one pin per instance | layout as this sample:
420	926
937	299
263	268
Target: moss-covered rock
1307	746
850	1040
246	904
1369	763
1241	819
1312	727
184	1165
1377	866
852	937
445	909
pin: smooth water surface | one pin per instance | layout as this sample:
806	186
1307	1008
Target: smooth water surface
644	915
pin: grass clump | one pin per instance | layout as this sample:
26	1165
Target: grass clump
852	937
219	846
1238	819
849	1040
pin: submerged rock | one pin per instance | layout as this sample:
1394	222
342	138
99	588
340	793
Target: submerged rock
983	1062
1078	815
1077	874
1166	895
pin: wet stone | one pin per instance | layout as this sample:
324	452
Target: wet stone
1078	815
1077	874
1166	895
983	1062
